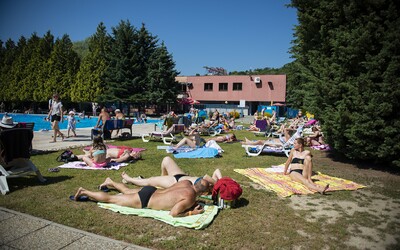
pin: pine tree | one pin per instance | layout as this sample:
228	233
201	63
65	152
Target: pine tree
349	54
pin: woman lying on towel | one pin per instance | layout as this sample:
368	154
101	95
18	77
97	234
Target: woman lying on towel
223	138
170	174
122	154
97	155
301	166
193	141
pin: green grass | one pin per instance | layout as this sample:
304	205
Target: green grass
261	221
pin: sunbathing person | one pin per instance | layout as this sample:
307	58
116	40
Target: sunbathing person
192	141
300	163
170	174
316	138
122	154
223	138
179	199
270	142
97	155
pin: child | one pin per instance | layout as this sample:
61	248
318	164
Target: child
71	123
97	155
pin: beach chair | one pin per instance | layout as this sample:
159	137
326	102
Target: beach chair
283	147
166	136
15	145
107	129
263	126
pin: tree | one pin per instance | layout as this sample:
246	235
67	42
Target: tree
348	55
90	79
162	87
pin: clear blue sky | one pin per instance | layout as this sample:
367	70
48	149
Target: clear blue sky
233	34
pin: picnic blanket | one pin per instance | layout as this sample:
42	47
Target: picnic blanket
273	179
198	221
82	165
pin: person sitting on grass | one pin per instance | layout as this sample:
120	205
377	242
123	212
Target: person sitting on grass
179	199
171	173
301	166
97	155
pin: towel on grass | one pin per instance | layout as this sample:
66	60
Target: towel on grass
170	149
82	165
273	179
198	221
198	153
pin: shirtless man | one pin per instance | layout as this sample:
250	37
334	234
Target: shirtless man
179	199
103	117
171	173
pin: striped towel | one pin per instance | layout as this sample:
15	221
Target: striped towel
274	180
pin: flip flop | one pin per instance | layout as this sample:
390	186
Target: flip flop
54	170
104	188
80	198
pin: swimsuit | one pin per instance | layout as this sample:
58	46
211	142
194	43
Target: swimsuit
120	152
300	171
297	160
145	194
99	152
178	176
99	165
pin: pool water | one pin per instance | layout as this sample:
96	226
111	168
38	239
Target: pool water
42	124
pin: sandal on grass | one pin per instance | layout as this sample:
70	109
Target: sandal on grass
80	198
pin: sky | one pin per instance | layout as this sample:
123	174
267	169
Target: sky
233	34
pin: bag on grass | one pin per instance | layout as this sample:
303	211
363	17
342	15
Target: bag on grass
67	156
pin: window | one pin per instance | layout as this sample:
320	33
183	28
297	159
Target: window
223	86
237	86
208	87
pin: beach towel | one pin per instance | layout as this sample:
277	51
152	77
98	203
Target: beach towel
198	221
273	179
198	153
82	165
170	149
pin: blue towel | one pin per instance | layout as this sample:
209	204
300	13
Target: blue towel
198	153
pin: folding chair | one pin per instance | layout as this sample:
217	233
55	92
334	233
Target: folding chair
15	145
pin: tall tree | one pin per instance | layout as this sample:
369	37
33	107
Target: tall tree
121	75
162	87
63	66
348	51
90	81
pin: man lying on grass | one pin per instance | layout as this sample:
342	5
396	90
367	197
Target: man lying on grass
179	199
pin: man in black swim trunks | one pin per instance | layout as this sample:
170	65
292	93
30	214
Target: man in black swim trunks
179	199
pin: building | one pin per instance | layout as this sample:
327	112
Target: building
243	93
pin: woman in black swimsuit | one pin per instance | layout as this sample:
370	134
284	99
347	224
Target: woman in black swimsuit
300	163
171	173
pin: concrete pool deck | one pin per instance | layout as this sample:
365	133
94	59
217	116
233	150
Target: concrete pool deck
41	139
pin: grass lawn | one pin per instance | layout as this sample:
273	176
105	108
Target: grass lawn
366	218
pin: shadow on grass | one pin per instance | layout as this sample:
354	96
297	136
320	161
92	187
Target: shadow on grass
241	202
363	164
19	183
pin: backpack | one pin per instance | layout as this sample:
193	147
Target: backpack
67	156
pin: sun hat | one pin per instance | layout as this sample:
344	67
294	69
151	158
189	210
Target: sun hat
117	110
7	122
71	112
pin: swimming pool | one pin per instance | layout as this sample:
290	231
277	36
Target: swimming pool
42	124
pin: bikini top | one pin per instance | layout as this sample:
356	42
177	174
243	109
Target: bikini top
99	152
298	161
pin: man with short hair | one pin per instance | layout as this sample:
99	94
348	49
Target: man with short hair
179	199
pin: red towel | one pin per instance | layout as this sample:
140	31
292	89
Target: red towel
227	188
